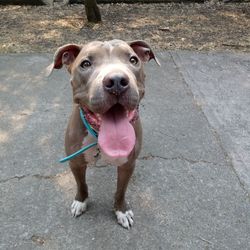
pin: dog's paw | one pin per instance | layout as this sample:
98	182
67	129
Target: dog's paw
77	208
125	219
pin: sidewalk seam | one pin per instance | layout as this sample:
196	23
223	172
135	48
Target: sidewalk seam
228	159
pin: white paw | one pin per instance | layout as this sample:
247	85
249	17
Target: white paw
125	219
77	208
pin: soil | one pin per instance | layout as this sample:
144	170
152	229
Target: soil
208	26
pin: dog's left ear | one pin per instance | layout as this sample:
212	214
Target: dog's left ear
143	51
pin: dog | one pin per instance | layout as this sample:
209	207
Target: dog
107	80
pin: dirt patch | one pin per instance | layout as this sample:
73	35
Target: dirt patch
209	26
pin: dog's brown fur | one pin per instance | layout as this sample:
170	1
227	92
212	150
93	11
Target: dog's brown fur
107	58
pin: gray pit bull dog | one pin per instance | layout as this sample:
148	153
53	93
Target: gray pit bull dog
107	79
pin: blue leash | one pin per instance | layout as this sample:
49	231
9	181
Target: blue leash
87	125
91	131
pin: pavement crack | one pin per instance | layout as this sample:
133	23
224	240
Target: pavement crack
191	161
20	177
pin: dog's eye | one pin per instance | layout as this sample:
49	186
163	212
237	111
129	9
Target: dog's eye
85	64
133	60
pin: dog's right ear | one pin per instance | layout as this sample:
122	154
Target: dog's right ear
64	55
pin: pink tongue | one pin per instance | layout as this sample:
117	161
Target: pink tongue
116	135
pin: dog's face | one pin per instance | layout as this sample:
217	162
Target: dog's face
105	73
108	83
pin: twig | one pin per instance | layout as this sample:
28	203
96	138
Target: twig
209	242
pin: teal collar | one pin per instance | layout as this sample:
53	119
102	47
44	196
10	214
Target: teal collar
82	150
87	125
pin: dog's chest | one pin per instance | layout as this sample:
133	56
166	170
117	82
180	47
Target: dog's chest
95	158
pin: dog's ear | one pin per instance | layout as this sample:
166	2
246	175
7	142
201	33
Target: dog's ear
143	51
64	55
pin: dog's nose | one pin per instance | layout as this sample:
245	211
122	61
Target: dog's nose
116	84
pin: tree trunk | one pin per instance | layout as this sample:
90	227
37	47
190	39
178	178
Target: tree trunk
92	11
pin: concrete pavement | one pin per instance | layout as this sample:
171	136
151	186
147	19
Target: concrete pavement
190	189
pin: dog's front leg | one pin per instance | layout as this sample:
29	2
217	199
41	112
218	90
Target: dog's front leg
79	205
123	213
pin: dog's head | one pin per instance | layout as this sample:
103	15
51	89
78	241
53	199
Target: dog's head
107	77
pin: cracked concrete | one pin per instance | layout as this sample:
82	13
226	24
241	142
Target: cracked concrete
191	161
189	189
19	177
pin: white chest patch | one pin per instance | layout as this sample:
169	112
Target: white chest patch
95	158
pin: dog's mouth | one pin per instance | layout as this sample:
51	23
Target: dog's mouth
116	136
